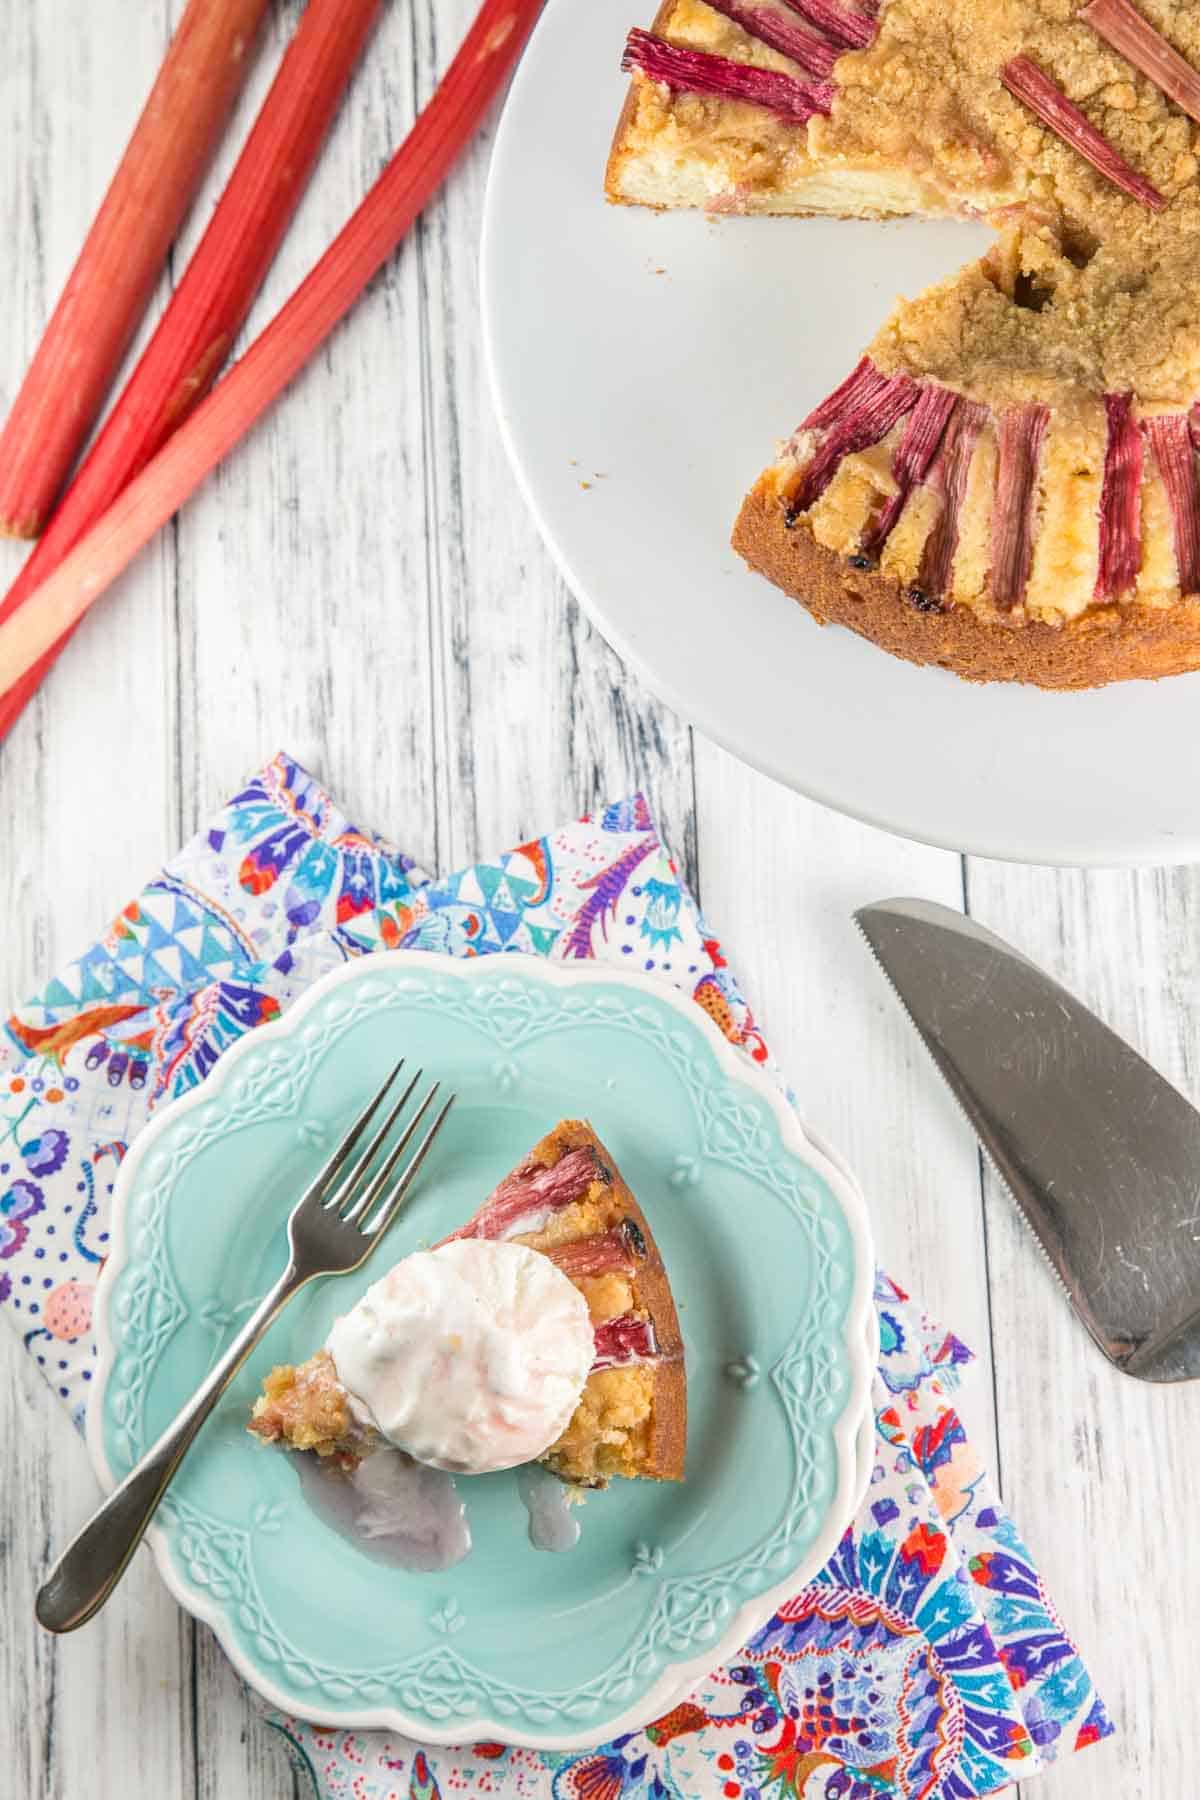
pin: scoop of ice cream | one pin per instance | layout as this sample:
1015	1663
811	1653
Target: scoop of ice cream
471	1357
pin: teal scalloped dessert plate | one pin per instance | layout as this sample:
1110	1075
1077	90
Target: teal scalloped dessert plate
769	1255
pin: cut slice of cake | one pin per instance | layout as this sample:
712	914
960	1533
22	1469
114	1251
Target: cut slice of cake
567	1203
870	108
1006	485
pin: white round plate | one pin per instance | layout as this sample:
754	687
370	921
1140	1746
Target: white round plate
643	367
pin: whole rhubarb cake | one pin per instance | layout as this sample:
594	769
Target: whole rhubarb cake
1006	484
565	1208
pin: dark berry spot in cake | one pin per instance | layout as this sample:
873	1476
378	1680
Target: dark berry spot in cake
923	602
632	1233
858	561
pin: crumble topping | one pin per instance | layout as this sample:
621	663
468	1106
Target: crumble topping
1088	288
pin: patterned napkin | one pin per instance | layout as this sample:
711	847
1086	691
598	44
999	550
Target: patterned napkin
925	1660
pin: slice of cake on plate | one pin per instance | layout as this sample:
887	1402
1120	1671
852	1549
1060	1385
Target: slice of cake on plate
1006	485
544	1329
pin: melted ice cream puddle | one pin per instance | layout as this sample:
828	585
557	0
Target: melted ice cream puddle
413	1517
552	1521
396	1510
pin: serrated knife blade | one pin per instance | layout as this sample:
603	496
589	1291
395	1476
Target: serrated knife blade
1101	1154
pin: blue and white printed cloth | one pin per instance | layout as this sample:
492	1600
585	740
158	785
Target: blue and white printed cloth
925	1662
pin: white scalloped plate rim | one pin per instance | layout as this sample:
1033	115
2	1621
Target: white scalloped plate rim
851	1434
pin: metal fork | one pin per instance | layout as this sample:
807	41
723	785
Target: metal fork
331	1231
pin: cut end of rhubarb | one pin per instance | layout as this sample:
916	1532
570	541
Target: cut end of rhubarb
859	381
1044	98
615	1252
858	414
851	29
788	36
532	1191
625	1340
699	72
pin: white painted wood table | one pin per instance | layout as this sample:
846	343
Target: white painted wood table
362	585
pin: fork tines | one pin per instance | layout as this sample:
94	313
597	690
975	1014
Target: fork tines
368	1193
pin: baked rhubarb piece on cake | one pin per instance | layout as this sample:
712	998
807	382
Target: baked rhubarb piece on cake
579	1317
941	107
986	491
1006	485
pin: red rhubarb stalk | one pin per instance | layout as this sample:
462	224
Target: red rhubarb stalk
281	351
110	286
1171	442
852	30
1034	88
1120	501
609	1254
873	405
533	1188
816	54
1134	38
627	1339
208	309
914	453
862	380
1021	434
947	476
699	72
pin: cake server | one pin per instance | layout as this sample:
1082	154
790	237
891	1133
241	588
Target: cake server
1101	1154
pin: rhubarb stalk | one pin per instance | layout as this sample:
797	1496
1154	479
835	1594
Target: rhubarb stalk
530	1191
608	1254
873	404
110	286
816	54
1034	88
1134	38
699	72
852	30
281	351
862	380
914	453
624	1340
1171	442
1120	501
208	309
947	476
1020	437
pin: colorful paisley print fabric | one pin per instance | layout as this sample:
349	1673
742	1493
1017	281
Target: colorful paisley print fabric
926	1662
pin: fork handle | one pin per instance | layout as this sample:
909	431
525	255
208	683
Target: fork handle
96	1558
